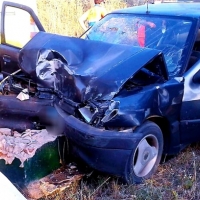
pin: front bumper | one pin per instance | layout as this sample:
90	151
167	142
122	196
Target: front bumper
104	150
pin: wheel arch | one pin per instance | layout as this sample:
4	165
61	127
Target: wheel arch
164	125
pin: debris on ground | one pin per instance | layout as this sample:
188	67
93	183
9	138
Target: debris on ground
61	182
30	155
35	162
22	145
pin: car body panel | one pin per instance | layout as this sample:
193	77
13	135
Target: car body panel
190	120
176	9
155	100
83	67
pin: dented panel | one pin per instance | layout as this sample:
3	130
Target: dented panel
71	66
103	94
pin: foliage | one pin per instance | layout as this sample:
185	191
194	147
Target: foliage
61	16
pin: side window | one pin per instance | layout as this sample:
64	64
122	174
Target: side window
19	27
195	56
197	42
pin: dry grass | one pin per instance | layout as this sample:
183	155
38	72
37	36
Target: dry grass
176	179
61	16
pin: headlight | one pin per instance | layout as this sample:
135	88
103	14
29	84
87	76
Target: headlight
111	112
88	113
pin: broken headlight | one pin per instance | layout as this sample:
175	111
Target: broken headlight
96	112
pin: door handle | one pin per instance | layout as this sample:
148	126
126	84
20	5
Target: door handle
6	58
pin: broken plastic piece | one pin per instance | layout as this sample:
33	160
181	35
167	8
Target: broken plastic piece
22	146
23	95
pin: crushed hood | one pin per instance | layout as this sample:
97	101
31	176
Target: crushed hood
83	69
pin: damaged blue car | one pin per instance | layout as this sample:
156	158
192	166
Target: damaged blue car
124	94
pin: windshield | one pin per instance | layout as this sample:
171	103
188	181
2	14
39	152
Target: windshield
166	34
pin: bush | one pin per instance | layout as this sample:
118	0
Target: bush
61	16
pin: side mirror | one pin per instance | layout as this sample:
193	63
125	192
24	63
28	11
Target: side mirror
196	78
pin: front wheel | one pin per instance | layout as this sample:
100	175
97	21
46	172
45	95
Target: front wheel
146	154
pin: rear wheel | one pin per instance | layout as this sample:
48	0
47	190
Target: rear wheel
146	154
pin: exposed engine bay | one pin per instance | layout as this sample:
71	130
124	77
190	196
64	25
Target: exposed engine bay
17	82
73	78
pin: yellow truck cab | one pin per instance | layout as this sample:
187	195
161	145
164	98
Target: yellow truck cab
18	24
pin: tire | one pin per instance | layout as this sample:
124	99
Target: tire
146	154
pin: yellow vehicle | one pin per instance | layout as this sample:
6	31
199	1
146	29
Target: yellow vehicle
19	23
18	34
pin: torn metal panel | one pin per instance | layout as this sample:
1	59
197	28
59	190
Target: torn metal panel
32	154
71	65
22	146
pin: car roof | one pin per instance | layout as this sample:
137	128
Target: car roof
170	9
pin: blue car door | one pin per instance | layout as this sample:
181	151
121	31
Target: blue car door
190	111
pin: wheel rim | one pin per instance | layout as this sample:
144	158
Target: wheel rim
145	155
